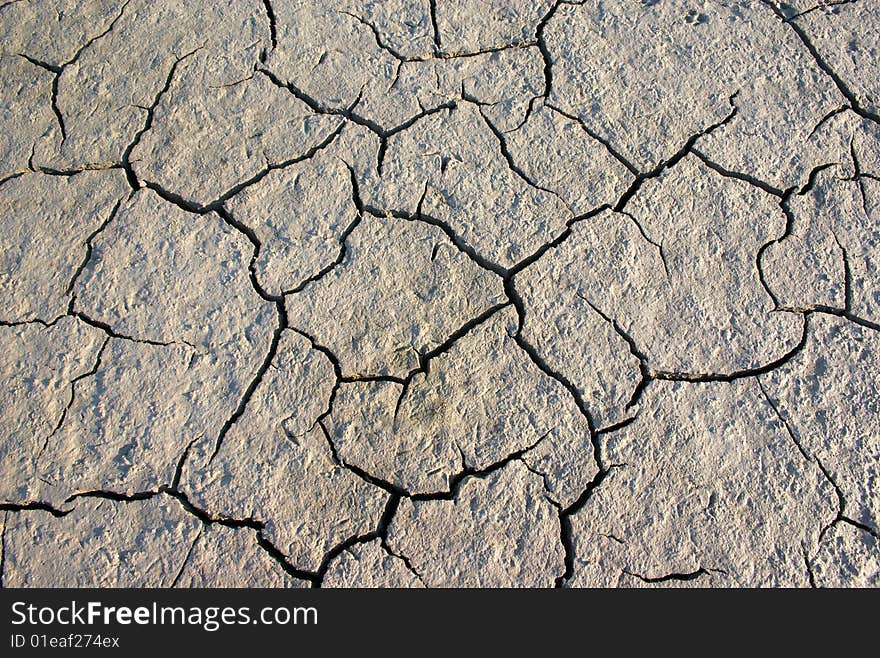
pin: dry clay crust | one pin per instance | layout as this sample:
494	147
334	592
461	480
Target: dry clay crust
431	294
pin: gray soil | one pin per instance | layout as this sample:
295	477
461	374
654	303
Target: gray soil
427	293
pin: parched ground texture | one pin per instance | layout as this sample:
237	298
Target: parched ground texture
426	293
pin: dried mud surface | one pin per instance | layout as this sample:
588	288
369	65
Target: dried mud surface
430	293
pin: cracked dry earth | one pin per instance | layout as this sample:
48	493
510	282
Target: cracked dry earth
440	293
